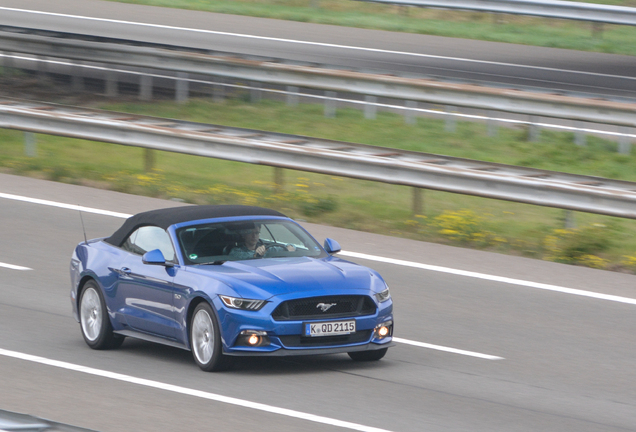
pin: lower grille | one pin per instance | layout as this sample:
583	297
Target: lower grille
297	341
325	307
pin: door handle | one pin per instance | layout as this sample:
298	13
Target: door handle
124	271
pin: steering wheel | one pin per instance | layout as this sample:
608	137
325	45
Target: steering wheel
260	243
269	246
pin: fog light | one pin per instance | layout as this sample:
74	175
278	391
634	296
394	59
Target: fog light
384	329
253	338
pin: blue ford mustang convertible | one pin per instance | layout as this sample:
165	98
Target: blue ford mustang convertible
227	281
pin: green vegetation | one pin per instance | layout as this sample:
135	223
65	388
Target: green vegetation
537	31
533	231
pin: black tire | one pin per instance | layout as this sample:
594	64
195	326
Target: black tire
205	340
94	321
368	355
116	341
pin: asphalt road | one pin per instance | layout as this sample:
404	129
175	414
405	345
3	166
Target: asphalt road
566	359
556	70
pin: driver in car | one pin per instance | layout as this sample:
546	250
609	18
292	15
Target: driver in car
253	247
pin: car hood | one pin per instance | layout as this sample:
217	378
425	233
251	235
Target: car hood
264	278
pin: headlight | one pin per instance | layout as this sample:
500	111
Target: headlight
383	296
241	303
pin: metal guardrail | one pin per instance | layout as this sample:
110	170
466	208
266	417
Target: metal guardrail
547	8
370	105
16	422
420	170
274	72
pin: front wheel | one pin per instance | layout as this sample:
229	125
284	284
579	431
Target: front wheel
368	355
205	340
96	328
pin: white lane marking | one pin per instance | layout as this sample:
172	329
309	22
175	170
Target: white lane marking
389	261
447	349
14	267
502	279
404	263
63	205
125	216
190	392
320	44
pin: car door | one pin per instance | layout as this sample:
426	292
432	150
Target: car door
144	291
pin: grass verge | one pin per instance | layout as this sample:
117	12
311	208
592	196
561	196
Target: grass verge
538	232
555	33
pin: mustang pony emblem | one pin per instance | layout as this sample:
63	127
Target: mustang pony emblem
324	307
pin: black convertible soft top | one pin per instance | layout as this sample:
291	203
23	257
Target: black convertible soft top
169	216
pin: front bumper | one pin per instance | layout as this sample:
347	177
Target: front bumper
283	352
285	338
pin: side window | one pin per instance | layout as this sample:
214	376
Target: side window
150	238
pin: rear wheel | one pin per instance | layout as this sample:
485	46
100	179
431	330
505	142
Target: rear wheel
368	355
94	322
205	340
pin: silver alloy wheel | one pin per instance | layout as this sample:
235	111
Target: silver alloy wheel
91	314
203	337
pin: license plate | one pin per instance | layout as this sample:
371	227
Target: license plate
330	328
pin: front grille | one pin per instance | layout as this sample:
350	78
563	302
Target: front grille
335	307
298	341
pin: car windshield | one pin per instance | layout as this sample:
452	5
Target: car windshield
215	243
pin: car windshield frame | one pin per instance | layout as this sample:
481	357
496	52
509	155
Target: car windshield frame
211	242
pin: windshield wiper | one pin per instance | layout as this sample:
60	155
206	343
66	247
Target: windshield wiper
219	262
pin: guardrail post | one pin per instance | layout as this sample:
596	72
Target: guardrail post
30	146
534	131
580	138
279	180
418	201
182	87
624	145
41	67
330	103
255	92
410	115
7	63
149	159
492	125
370	108
218	93
597	30
77	79
568	219
145	87
451	121
112	88
292	96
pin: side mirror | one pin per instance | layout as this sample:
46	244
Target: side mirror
332	246
154	257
